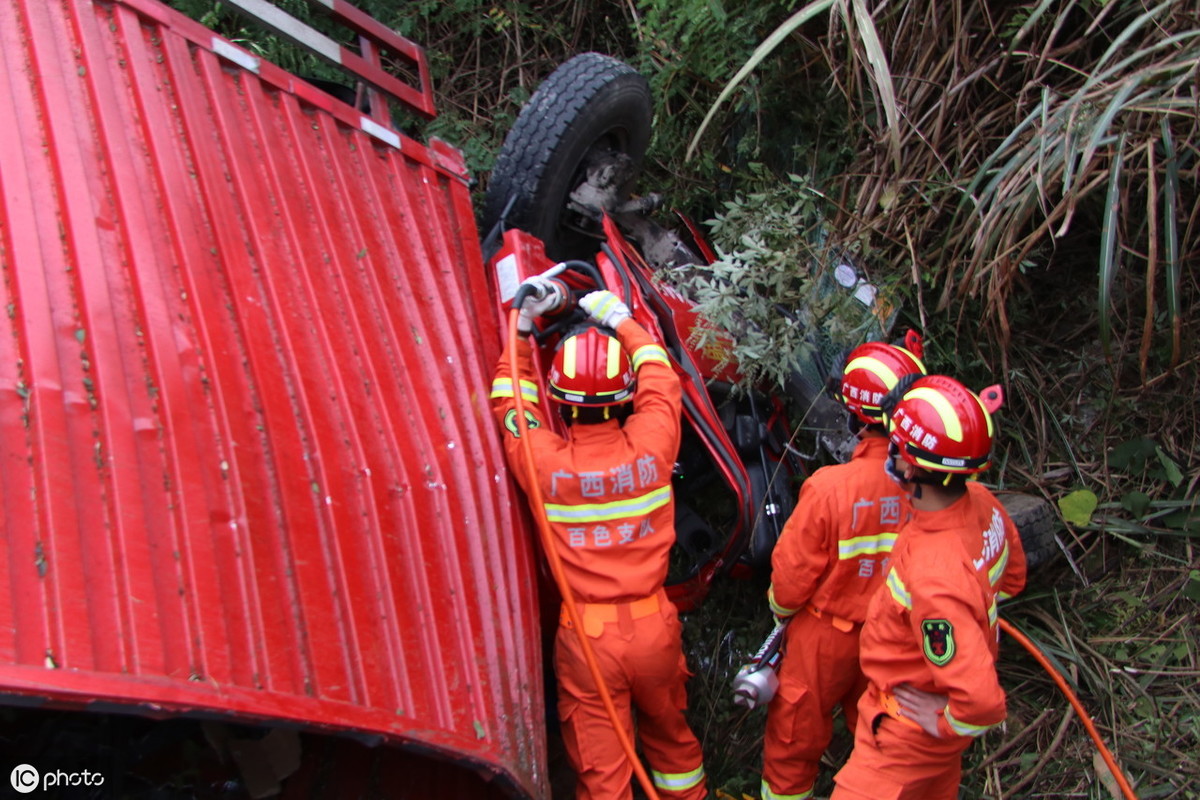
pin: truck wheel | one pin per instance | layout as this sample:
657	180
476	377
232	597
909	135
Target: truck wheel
1037	524
592	112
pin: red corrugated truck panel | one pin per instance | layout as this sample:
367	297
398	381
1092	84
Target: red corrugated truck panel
248	464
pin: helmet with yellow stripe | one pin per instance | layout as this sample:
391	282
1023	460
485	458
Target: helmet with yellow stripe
591	369
942	426
872	370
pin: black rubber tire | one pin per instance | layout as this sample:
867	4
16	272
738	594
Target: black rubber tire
591	103
768	523
1037	523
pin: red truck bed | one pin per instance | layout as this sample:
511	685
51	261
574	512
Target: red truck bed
248	466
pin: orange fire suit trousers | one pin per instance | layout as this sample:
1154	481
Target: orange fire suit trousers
640	654
819	670
896	760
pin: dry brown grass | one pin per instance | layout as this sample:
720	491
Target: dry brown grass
1014	131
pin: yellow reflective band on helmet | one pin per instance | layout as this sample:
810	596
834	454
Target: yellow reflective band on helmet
613	366
926	463
569	348
920	364
649	352
945	410
935	466
997	570
777	609
502	387
965	728
678	781
866	545
899	590
618	509
769	794
876	368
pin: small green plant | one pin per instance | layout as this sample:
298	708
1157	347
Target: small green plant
775	287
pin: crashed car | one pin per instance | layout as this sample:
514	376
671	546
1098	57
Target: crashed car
563	191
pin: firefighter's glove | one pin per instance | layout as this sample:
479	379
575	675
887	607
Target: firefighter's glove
546	296
605	307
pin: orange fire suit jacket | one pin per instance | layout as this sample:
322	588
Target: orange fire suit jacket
607	486
934	625
835	547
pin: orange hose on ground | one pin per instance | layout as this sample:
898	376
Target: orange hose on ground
1118	775
539	514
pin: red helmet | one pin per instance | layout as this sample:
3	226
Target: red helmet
872	370
942	426
590	368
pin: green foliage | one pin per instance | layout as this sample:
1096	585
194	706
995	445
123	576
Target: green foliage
688	51
856	18
225	20
771	288
1144	459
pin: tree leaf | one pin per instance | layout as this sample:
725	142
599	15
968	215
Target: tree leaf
1192	589
882	74
1131	456
1077	507
1169	466
1136	503
1109	248
1171	234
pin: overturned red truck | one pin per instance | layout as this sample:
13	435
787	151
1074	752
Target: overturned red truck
249	470
256	512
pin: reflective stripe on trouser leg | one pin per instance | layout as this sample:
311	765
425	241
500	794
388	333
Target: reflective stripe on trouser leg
767	794
678	781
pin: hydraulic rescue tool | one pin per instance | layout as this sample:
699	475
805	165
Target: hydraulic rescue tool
756	683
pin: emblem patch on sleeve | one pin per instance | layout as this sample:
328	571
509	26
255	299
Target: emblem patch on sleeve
939	641
510	422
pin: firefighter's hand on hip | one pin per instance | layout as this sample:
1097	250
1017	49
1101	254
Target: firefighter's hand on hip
921	707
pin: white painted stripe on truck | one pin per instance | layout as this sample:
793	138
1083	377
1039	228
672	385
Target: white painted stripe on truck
292	28
235	54
379	132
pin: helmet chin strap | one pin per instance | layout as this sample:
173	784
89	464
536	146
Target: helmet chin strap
854	424
889	466
919	477
609	412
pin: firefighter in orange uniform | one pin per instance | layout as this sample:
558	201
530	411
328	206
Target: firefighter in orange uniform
831	556
608	498
930	640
